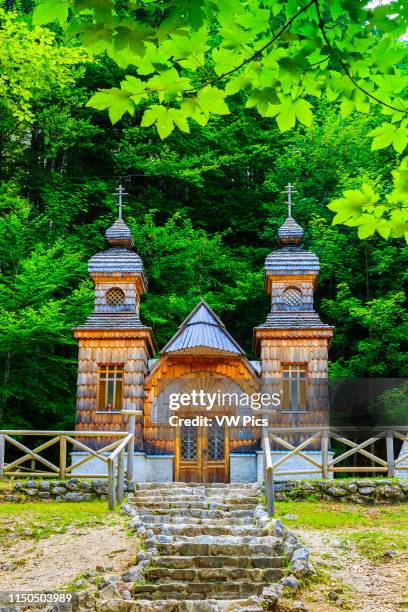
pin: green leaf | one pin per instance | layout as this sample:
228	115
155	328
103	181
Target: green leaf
387	134
52	10
159	116
262	99
288	111
303	112
169	85
365	231
179	119
164	119
133	36
211	100
136	87
191	108
225	60
116	100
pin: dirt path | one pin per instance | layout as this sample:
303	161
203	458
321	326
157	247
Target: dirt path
55	561
358	583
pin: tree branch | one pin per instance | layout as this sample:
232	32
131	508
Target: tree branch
344	65
261	50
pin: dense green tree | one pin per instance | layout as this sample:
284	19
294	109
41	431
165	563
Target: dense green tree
204	210
186	60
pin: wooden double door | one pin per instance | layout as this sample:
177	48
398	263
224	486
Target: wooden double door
202	453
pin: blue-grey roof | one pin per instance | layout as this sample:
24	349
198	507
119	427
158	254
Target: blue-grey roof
119	234
292	260
116	259
112	321
257	366
290	232
293	320
202	328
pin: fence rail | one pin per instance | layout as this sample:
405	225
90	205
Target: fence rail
327	464
112	454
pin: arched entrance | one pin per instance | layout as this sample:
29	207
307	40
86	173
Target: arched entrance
203	431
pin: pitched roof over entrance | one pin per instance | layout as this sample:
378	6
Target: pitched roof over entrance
203	328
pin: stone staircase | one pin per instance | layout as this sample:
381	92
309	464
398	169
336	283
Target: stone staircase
208	547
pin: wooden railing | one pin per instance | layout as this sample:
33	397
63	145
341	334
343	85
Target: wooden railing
328	464
113	454
268	472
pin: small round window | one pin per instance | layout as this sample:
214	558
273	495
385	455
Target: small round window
292	297
115	296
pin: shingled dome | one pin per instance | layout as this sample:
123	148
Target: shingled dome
290	232
202	328
119	235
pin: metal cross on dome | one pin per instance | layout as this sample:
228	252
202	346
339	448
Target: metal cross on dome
289	190
120	191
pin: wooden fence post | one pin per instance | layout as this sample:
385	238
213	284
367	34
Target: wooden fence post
2	454
325	453
111	485
63	457
121	476
269	486
390	453
268	472
131	449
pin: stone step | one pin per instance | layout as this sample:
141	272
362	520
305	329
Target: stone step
160	575
197	530
203	491
219	562
189	505
196	605
194	590
209	499
143	486
192	499
193	549
198	513
163	519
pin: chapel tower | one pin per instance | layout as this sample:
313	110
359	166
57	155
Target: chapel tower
293	342
114	345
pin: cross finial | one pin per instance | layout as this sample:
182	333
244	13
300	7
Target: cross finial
289	190
120	191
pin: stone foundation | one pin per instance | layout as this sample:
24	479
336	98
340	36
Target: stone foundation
243	467
72	490
359	491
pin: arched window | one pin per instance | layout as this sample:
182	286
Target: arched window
115	296
292	298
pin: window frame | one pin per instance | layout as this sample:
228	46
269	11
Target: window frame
297	368
103	368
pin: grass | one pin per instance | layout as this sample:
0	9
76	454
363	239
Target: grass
38	520
332	515
373	544
371	530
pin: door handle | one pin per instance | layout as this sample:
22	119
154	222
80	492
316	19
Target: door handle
204	451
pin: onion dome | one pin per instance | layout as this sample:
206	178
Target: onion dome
290	233
119	235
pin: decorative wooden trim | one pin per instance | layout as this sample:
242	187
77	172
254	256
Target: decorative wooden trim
138	278
271	278
143	335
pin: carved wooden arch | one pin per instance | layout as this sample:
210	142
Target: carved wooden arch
170	369
159	437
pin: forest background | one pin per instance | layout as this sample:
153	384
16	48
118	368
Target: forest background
204	209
